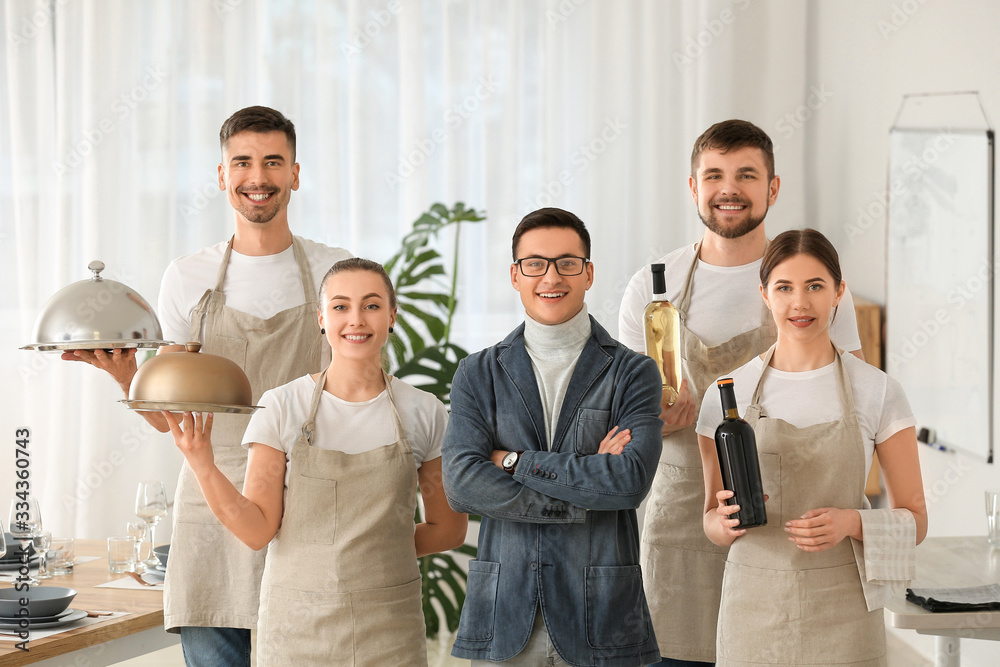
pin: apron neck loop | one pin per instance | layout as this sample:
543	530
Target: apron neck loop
844	393
305	273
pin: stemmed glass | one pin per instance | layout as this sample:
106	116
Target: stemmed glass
25	523
3	542
42	541
138	530
151	506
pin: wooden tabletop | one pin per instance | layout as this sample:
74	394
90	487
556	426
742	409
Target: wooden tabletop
951	562
145	609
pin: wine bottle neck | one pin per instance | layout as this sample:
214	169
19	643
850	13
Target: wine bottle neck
732	413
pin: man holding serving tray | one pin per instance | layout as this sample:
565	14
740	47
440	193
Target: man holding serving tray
252	300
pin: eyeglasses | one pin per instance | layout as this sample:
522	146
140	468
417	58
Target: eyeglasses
533	267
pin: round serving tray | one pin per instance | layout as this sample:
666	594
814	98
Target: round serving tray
157	406
95	345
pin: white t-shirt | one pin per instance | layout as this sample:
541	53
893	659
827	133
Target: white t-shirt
348	427
261	286
725	302
810	397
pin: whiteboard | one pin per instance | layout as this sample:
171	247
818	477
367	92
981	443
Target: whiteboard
939	287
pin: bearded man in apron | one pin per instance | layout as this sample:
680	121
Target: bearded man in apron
252	300
714	285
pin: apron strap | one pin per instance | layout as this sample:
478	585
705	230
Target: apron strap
684	300
305	273
309	425
395	414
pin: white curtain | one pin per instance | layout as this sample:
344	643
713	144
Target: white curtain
109	118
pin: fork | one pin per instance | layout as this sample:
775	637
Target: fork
138	577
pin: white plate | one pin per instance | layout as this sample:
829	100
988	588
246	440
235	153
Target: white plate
14	566
75	616
95	345
162	568
157	406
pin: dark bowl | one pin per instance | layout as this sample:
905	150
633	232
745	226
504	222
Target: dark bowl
42	601
161	553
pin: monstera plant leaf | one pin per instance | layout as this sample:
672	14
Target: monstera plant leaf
424	289
420	350
437	366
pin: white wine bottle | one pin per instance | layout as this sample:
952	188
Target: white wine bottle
662	329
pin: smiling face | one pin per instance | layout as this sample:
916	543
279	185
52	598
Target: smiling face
258	174
356	312
551	298
732	190
801	294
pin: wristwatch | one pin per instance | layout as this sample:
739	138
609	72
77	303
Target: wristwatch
509	461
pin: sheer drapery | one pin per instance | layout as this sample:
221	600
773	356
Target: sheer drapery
110	114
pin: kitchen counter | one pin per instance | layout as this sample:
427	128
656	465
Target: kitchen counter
137	633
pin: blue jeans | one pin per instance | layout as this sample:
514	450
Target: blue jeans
670	662
215	647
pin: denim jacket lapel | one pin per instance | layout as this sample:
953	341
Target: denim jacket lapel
592	363
517	364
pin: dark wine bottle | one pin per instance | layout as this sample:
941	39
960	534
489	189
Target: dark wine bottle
736	446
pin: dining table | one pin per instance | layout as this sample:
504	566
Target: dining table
113	640
950	562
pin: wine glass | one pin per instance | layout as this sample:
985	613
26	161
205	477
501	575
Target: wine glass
25	522
42	542
151	506
3	544
138	530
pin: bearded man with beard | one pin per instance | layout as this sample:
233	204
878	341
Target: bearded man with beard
252	299
714	285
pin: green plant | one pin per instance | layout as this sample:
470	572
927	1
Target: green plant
421	349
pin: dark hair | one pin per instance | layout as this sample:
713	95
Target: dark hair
260	120
359	264
547	218
732	135
800	242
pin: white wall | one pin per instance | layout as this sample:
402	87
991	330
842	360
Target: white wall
866	55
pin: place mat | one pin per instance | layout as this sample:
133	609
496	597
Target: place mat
131	584
973	598
48	632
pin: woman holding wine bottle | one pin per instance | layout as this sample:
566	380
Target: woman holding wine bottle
796	591
331	489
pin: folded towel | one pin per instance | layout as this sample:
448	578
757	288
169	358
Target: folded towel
974	598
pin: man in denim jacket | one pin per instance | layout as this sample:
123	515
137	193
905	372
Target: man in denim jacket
554	438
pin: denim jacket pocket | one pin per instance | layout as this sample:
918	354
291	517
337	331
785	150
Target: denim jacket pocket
591	427
479	610
617	615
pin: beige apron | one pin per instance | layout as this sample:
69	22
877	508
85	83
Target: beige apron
199	589
782	605
341	584
681	569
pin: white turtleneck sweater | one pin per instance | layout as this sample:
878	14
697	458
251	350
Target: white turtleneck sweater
554	350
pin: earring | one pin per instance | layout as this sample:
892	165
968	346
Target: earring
390	329
322	331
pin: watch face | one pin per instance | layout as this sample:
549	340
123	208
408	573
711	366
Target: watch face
509	459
